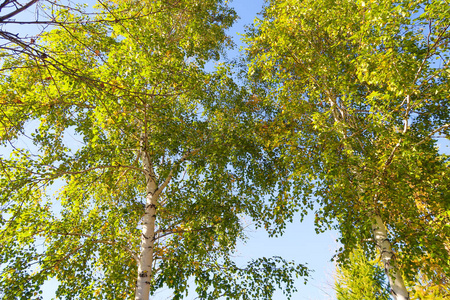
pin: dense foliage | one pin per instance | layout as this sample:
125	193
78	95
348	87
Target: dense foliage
360	279
127	167
360	88
153	189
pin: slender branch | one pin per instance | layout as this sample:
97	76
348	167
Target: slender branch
432	133
65	257
12	14
164	233
407	111
53	22
83	171
94	240
391	156
3	5
180	161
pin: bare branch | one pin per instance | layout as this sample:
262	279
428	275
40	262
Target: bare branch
19	10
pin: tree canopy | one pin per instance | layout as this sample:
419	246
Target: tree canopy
152	193
357	86
128	164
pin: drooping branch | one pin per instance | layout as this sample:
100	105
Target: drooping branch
99	241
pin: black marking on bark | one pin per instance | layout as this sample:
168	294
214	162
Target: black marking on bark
147	282
145	236
152	206
143	274
154	216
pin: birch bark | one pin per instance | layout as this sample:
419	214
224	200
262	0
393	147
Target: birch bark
145	264
398	288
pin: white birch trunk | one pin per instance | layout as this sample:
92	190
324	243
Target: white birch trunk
398	288
148	233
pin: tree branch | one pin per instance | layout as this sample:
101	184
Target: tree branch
180	161
94	240
432	133
12	14
164	233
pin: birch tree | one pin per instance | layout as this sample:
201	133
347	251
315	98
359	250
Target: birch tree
144	150
356	87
